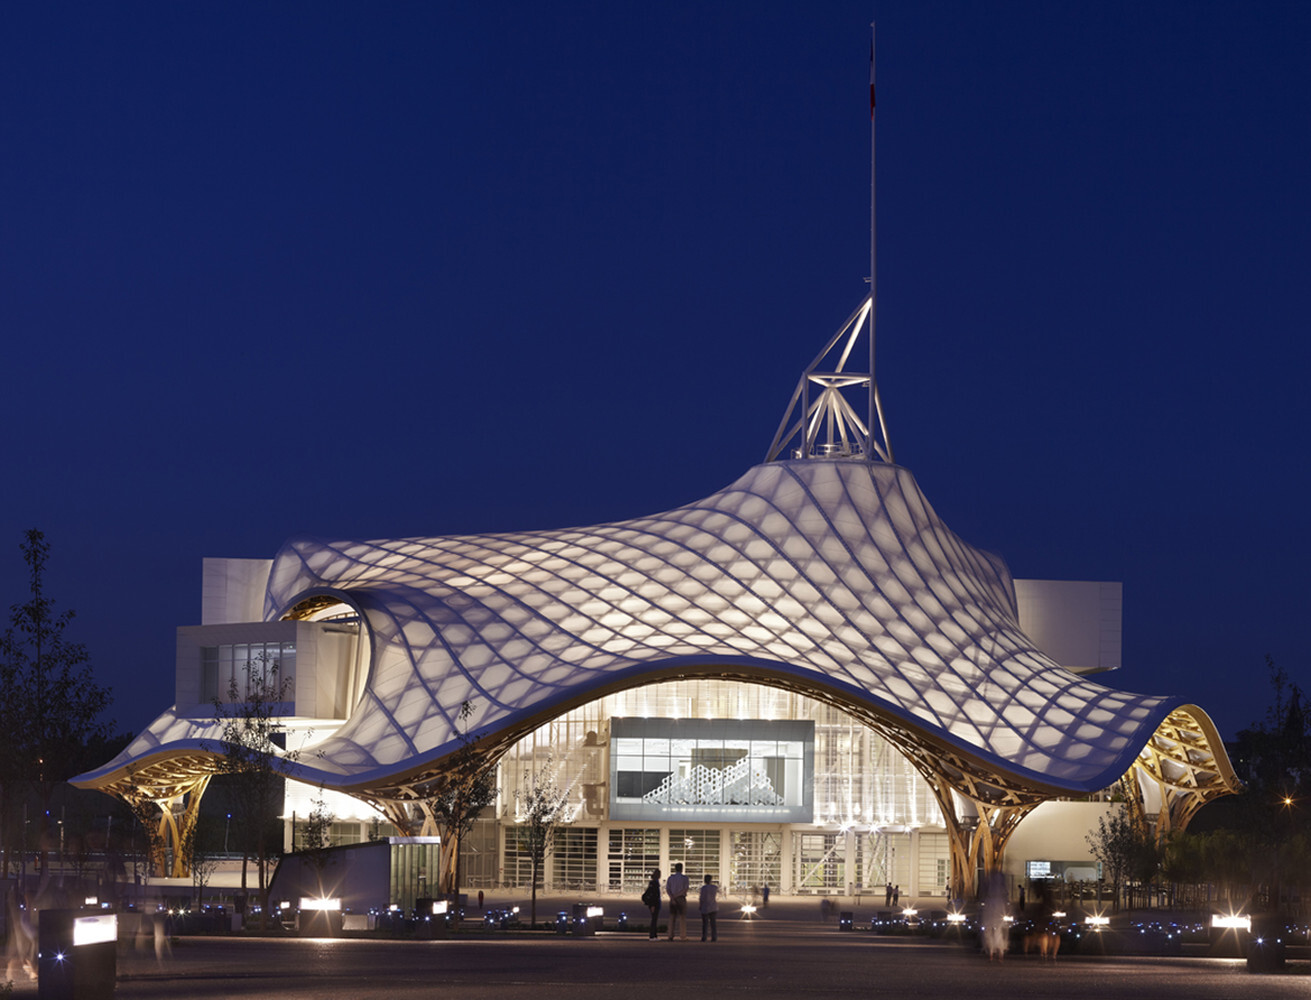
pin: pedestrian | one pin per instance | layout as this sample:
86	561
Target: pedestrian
764	894
1021	900
896	895
676	886
480	901
995	933
887	894
709	909
651	900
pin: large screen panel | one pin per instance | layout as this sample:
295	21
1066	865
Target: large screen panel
741	770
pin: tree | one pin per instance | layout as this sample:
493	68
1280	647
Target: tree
203	864
466	786
1118	845
1227	857
317	831
1182	864
51	708
316	838
248	750
1273	760
140	799
540	809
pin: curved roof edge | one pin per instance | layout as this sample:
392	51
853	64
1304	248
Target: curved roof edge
834	577
191	739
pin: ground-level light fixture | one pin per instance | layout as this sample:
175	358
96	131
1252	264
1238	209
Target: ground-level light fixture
1231	921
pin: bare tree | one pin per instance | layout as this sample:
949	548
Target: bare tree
202	863
540	809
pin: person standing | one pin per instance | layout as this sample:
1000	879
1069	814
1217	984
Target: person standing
709	909
887	895
651	900
677	886
764	894
896	895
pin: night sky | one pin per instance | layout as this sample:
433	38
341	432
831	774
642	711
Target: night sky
378	270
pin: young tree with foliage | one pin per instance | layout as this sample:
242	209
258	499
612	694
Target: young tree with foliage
466	786
316	838
540	810
50	704
202	864
248	750
1118	845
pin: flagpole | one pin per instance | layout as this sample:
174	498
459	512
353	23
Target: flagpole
874	419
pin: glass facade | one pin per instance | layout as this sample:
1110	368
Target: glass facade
414	868
858	779
757	861
711	770
633	854
752	784
224	669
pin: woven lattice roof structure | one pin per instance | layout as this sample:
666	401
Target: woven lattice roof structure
832	576
820	570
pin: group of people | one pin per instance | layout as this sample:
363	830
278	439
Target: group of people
676	887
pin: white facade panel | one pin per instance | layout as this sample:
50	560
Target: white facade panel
232	590
1077	623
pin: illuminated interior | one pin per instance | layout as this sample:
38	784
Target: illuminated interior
819	586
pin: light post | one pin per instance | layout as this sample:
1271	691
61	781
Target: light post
226	826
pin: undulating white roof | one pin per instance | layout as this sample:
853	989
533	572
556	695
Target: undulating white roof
833	575
836	574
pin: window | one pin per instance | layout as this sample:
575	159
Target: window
575	858
757	861
712	770
242	663
633	854
698	850
821	862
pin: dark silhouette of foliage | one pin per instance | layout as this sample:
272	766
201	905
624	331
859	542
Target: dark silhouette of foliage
1124	851
51	708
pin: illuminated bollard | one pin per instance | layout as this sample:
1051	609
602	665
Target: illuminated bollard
586	919
1267	950
78	955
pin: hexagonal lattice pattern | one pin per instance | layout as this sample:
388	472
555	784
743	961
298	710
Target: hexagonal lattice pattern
837	573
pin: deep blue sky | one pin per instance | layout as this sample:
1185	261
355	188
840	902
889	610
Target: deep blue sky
393	269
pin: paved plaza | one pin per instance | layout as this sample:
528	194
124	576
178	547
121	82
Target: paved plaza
766	959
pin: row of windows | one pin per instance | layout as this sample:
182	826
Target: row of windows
858	777
239	671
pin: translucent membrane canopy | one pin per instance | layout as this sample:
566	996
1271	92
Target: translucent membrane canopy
833	577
